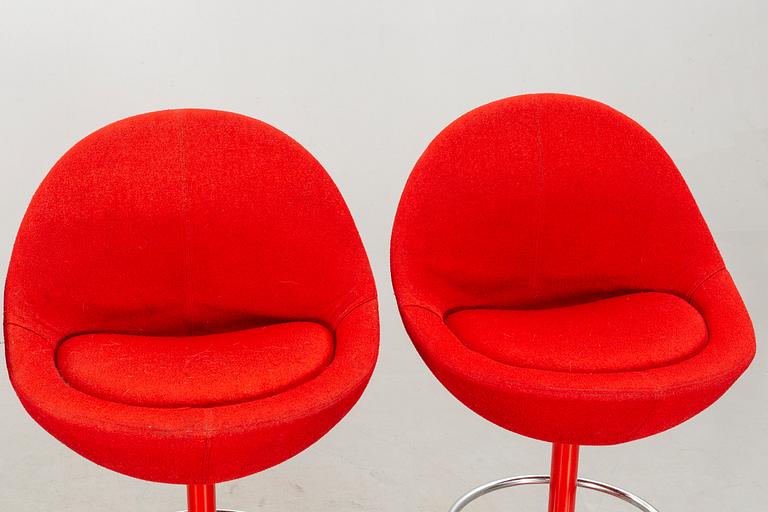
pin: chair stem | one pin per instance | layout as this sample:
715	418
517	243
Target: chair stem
201	498
564	472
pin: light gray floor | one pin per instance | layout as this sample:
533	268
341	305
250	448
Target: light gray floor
365	86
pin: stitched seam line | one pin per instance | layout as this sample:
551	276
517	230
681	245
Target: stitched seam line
25	320
534	281
350	310
22	326
424	307
698	285
184	213
208	443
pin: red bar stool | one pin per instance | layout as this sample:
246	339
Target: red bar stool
189	301
555	274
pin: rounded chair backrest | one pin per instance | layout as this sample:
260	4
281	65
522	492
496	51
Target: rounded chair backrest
543	200
185	222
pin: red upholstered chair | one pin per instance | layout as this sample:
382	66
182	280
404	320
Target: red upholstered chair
555	274
188	300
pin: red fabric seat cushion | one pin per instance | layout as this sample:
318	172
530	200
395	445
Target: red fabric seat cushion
206	370
630	332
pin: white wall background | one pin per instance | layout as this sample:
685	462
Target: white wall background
364	86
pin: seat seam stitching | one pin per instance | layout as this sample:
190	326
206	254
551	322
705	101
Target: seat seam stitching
689	295
350	310
184	214
26	328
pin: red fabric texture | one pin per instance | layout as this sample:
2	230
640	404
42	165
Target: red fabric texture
205	371
549	216
174	244
587	337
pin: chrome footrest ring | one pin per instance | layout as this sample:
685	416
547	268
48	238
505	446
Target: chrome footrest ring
515	481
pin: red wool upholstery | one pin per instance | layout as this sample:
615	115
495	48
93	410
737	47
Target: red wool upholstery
555	274
188	299
588	337
205	371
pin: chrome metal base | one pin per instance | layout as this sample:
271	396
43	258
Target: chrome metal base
543	479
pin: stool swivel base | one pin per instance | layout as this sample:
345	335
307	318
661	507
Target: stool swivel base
562	484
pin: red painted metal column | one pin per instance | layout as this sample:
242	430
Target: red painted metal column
562	487
201	498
